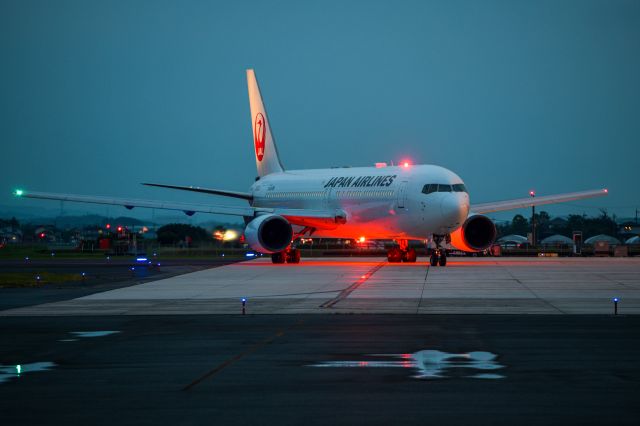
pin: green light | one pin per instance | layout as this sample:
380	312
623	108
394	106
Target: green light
18	368
19	192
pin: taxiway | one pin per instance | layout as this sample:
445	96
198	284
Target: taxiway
371	285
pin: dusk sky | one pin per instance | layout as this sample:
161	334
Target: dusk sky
98	96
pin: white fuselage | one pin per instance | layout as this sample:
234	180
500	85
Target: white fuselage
384	203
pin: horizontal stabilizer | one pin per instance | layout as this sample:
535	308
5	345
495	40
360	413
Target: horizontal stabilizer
224	193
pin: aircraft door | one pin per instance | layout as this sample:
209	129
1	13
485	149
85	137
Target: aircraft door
402	194
327	198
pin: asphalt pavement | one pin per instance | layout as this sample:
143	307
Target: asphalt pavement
320	369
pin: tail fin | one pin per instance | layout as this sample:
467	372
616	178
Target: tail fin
267	160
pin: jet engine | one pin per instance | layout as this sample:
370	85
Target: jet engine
477	233
268	233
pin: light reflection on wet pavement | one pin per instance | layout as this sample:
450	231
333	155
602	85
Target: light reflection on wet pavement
8	372
430	364
93	333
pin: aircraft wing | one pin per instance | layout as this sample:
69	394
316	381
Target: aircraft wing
520	203
302	217
130	203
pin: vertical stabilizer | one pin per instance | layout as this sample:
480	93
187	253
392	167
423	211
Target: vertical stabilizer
265	151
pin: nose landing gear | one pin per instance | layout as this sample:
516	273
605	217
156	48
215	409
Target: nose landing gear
439	255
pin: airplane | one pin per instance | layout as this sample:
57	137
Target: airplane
398	202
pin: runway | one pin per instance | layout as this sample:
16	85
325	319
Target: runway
551	286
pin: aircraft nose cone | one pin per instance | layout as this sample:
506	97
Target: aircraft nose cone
454	209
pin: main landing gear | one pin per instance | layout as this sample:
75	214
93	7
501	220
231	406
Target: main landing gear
402	253
439	255
290	255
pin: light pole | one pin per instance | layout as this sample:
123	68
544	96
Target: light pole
533	219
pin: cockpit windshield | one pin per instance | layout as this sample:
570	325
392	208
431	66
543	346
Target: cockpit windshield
442	187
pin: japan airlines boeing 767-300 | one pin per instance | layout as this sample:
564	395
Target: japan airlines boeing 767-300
401	203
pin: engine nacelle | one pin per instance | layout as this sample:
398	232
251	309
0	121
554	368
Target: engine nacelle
268	233
477	233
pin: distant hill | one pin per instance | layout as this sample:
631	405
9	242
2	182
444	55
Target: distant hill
79	221
71	218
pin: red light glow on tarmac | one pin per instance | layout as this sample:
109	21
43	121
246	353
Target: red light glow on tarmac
311	263
453	262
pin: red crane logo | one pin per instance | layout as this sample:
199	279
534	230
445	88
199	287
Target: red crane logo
259	131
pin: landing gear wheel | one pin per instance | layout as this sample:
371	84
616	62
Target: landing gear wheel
443	259
293	256
278	257
394	255
409	256
433	260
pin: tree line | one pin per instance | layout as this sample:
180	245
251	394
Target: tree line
545	226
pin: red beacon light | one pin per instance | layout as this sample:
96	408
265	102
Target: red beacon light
119	228
532	193
108	226
405	164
